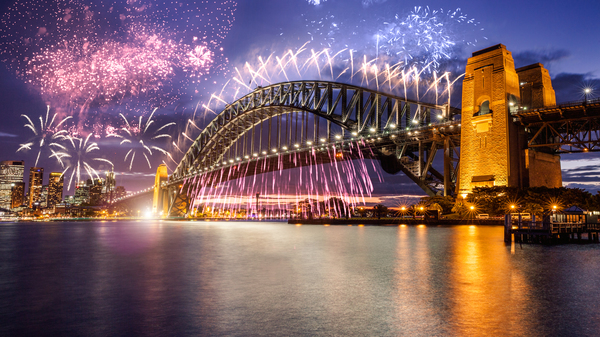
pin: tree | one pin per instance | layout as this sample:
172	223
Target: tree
337	208
533	208
446	203
380	209
460	208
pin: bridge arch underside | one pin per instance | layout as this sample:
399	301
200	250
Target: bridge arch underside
383	149
271	129
297	140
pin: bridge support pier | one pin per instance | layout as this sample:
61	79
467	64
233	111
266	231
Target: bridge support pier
160	204
179	203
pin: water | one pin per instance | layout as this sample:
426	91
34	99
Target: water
232	278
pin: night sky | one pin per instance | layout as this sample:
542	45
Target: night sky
564	37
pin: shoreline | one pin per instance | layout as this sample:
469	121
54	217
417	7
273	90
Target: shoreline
396	221
316	222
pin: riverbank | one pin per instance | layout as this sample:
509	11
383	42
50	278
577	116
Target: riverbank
396	221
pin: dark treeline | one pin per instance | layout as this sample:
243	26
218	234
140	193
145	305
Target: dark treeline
502	200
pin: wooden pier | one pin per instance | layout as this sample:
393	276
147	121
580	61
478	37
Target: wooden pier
552	230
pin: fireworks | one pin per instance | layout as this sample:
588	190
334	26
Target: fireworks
347	181
423	36
77	157
342	66
364	2
83	56
145	65
46	134
139	138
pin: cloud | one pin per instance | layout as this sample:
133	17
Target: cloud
581	173
546	57
4	134
569	86
135	174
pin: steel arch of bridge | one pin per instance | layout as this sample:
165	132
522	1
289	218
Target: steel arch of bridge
354	109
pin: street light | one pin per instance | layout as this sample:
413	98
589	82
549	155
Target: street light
586	93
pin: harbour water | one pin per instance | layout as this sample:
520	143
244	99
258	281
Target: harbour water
162	278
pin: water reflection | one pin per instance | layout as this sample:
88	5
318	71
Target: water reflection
488	294
228	278
130	238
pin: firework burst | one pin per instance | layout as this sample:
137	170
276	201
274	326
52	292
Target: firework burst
139	138
82	55
46	135
78	157
423	36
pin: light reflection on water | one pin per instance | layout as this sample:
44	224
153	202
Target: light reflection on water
235	278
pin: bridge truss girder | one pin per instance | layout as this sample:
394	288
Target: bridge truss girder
415	159
412	152
179	202
352	108
568	128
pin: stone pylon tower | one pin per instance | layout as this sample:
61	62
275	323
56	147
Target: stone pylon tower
160	201
493	147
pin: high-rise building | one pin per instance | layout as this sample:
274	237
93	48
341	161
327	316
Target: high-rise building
120	192
43	201
36	176
55	188
10	172
95	186
108	190
82	193
17	194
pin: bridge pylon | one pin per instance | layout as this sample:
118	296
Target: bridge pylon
493	146
160	201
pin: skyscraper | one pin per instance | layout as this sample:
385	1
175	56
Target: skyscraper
108	190
10	172
36	176
82	193
17	194
55	189
120	192
95	186
43	200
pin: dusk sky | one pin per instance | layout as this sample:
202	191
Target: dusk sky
563	36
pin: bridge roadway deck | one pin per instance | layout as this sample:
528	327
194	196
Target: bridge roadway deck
560	112
371	146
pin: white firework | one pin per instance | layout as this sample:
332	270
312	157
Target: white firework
78	157
139	137
46	135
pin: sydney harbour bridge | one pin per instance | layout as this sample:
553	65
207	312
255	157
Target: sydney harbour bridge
505	134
